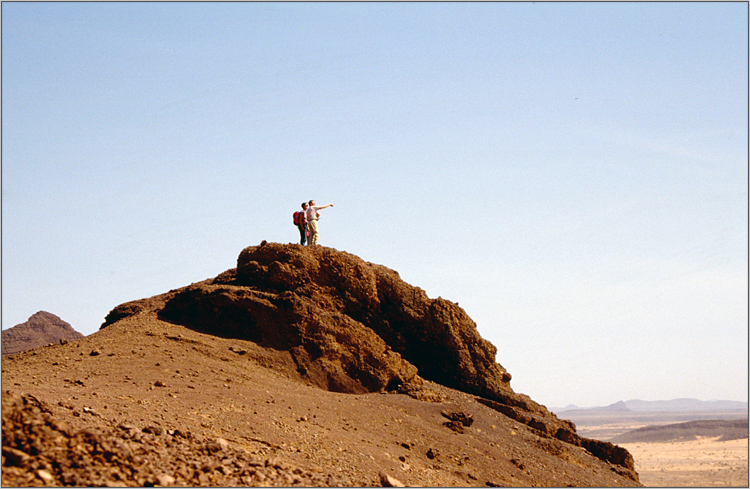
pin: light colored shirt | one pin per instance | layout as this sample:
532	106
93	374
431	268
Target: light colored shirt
312	212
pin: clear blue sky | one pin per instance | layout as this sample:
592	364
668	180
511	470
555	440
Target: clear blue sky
574	175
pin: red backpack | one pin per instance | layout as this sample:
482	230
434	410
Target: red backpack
297	217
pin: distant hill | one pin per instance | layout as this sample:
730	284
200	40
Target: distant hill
682	405
725	430
608	422
618	406
40	329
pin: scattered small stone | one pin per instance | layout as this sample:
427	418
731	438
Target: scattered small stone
90	411
154	430
459	417
45	476
432	454
159	383
177	433
455	426
95	353
217	445
63	341
388	481
17	457
165	480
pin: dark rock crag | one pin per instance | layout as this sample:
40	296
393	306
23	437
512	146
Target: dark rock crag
353	326
40	329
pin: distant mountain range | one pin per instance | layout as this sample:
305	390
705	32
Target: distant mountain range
672	405
40	329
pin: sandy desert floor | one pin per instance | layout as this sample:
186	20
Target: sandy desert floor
701	463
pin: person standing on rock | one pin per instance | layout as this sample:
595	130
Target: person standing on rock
312	221
302	226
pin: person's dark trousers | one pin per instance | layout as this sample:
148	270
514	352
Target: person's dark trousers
302	233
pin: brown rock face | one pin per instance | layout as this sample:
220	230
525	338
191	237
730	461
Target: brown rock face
41	329
355	327
351	326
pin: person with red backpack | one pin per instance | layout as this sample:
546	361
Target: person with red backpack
300	220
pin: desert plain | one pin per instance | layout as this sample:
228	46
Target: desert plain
706	462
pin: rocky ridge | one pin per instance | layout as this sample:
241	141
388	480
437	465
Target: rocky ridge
326	322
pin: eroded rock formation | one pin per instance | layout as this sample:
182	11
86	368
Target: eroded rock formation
353	326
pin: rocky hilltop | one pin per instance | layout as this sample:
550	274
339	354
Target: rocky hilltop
301	366
40	329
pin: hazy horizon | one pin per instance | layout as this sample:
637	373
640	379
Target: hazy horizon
654	401
573	175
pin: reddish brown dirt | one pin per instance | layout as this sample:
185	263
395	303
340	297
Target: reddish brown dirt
149	402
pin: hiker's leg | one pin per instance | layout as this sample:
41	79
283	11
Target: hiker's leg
313	227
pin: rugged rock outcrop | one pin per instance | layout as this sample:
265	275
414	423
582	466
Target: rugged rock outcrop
41	329
353	326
